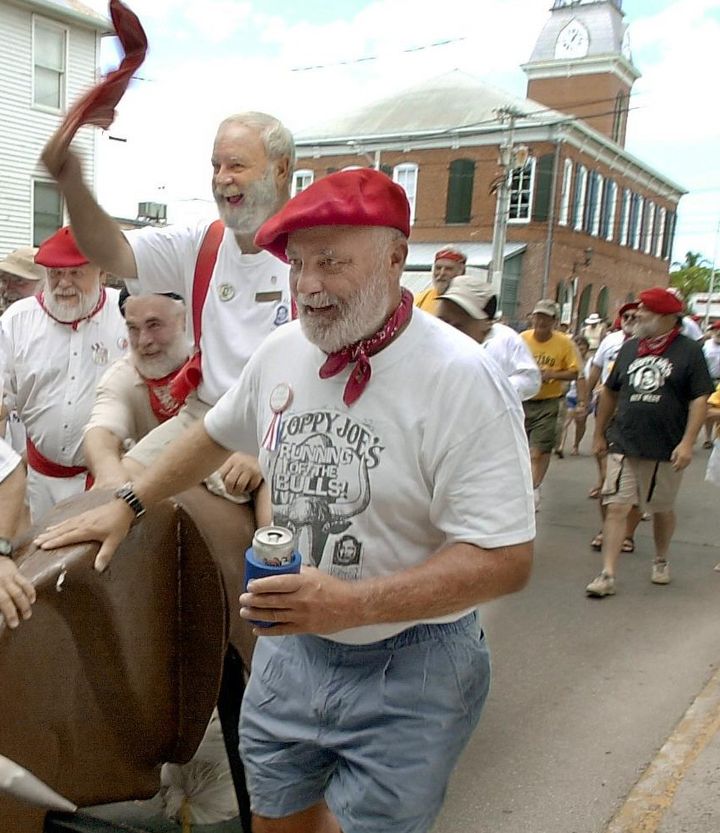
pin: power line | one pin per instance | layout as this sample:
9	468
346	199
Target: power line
369	58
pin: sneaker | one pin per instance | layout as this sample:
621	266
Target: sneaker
603	585
660	572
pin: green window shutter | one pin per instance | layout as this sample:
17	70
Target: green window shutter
387	170
460	191
543	187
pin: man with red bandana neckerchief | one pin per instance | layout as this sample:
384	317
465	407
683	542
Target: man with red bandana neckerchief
59	343
657	390
397	453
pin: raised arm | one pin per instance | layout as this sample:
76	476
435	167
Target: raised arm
97	234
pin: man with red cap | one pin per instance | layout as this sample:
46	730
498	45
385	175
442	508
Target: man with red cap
657	391
449	264
237	293
396	452
59	343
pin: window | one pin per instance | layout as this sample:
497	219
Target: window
565	192
649	226
620	118
47	211
49	57
544	176
603	302
301	180
625	217
668	234
594	197
636	217
460	191
406	176
607	226
521	191
579	201
659	232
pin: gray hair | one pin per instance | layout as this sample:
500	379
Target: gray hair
278	140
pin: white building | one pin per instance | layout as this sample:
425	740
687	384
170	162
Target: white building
49	56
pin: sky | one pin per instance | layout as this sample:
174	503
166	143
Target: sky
308	62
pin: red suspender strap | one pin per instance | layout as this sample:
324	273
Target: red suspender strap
190	374
207	256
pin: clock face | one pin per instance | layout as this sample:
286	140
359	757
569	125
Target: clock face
573	41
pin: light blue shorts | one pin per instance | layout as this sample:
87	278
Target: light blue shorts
374	730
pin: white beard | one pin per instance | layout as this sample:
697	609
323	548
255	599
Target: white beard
68	313
259	201
360	316
156	367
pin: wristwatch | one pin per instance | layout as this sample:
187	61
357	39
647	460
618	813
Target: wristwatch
126	493
6	547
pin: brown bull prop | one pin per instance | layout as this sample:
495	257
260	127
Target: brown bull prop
117	673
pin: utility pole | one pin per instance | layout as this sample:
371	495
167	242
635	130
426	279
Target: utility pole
510	158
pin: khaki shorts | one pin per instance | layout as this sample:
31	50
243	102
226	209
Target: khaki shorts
153	444
651	485
541	417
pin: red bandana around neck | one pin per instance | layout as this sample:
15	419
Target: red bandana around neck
160	392
74	324
657	345
361	351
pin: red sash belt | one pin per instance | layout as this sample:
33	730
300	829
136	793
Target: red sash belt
42	465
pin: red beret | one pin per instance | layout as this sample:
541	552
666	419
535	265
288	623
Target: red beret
60	251
625	307
715	325
451	254
362	197
661	301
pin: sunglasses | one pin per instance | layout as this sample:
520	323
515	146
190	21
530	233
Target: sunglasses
628	316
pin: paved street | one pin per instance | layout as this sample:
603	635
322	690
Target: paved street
587	691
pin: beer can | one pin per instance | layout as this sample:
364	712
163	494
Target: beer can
273	545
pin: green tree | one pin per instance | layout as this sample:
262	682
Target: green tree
692	275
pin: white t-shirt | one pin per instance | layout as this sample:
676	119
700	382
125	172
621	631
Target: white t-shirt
606	353
52	372
9	460
248	296
433	452
712	357
513	357
690	329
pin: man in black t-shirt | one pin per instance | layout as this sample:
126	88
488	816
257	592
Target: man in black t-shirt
657	390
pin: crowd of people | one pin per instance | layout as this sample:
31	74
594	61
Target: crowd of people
369	421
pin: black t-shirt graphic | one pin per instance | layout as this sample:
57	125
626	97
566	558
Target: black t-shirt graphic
654	395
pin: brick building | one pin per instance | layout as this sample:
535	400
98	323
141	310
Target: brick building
587	223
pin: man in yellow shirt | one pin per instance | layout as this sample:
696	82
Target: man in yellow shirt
557	359
449	263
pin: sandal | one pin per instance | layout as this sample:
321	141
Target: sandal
596	543
628	545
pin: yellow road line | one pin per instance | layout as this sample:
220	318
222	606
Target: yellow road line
654	793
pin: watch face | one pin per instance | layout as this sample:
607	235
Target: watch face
573	41
5	546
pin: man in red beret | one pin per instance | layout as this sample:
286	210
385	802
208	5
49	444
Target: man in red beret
449	264
657	391
59	343
396	453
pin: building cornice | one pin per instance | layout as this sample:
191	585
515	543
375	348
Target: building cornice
50	9
597	64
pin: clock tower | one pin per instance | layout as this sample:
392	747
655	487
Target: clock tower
582	64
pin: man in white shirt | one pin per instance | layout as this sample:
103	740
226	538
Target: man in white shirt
16	592
397	453
59	343
248	295
20	276
469	305
711	349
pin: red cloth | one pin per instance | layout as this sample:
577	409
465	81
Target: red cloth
188	378
40	463
160	393
74	324
657	345
97	106
661	301
362	197
450	254
60	251
362	350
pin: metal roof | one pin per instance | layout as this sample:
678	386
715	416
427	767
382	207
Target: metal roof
451	102
422	255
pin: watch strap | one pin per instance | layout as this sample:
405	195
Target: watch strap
127	494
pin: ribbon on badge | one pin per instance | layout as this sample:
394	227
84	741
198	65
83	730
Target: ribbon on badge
280	400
